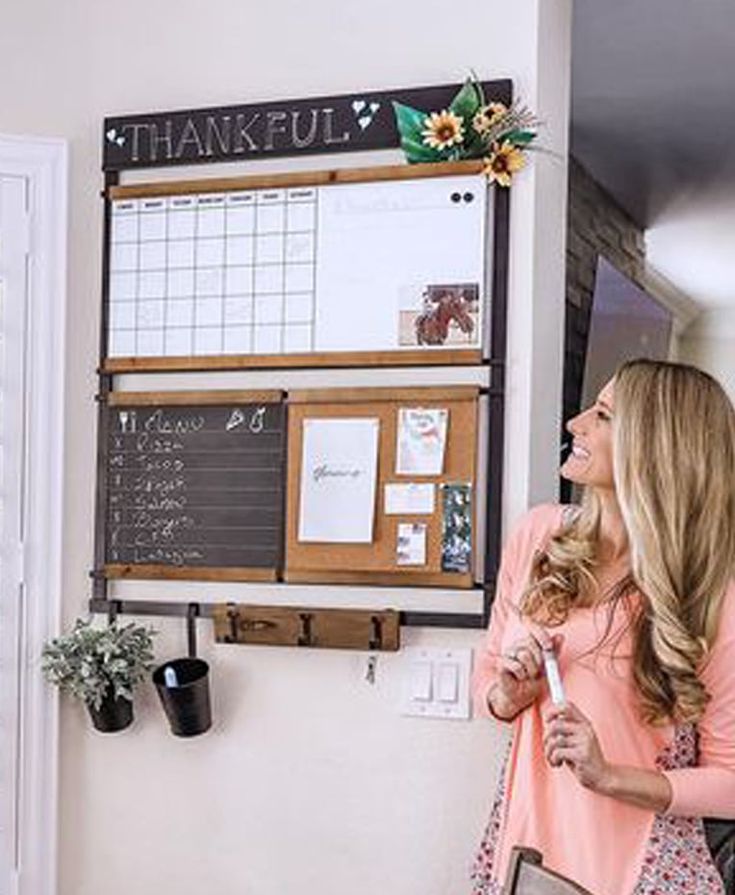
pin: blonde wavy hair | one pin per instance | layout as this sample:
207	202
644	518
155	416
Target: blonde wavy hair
674	471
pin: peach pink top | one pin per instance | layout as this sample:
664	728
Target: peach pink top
608	846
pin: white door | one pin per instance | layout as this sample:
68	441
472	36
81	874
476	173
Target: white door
14	285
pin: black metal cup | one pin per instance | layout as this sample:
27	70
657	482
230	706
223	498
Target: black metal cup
187	705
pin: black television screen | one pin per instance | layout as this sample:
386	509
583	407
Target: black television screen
626	322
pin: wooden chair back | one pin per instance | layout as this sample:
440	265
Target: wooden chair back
528	876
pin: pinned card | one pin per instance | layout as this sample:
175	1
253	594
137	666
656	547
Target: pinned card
456	527
422	437
411	544
413	498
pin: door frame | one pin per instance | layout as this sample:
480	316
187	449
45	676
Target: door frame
44	164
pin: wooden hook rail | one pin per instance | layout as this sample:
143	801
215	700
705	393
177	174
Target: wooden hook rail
296	626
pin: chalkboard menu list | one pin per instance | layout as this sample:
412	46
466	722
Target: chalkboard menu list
195	486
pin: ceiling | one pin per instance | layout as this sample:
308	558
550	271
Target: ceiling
653	120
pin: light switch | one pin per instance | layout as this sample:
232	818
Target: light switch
436	682
421	681
447	682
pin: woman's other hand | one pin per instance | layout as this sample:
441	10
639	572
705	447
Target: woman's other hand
521	673
570	739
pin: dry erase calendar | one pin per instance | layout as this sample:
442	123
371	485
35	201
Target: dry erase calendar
213	274
391	266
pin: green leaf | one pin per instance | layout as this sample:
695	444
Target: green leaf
474	145
467	102
519	138
418	151
410	122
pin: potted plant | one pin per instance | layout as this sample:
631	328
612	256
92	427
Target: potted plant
101	666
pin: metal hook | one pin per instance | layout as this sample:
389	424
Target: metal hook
376	639
305	635
114	606
234	618
191	628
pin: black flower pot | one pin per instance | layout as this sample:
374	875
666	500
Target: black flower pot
113	715
186	703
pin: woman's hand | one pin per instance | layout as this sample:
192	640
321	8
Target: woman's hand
521	673
570	739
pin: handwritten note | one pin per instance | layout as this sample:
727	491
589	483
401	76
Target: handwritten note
338	480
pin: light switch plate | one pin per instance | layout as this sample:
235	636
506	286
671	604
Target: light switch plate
436	682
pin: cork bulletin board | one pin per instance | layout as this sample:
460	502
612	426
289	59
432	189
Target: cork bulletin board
376	561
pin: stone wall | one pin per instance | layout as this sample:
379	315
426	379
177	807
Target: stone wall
596	225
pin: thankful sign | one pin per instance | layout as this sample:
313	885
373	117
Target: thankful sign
345	123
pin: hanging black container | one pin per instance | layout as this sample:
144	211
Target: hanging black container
113	715
183	685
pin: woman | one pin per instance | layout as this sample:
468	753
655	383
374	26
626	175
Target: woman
634	591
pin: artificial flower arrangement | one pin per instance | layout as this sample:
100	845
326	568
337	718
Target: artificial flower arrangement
470	128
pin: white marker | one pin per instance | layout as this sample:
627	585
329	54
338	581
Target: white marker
169	677
553	677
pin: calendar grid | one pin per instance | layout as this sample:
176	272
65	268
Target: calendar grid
213	274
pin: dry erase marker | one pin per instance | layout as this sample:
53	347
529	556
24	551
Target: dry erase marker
553	677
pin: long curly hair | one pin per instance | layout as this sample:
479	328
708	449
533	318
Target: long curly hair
674	472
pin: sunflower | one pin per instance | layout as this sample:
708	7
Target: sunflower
488	116
442	130
504	160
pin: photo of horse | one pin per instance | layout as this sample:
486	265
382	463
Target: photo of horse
444	314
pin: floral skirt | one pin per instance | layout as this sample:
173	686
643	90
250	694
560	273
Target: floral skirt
677	860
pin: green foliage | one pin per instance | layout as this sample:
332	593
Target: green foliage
410	125
515	126
419	152
410	121
517	138
467	102
89	662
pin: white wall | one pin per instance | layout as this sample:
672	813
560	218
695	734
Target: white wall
311	782
690	242
709	343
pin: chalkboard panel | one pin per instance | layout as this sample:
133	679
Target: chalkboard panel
194	486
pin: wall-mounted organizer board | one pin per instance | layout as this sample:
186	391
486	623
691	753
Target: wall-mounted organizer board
354	268
423	458
301	377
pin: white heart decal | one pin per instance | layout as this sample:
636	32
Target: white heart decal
364	121
358	105
120	141
111	134
374	107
